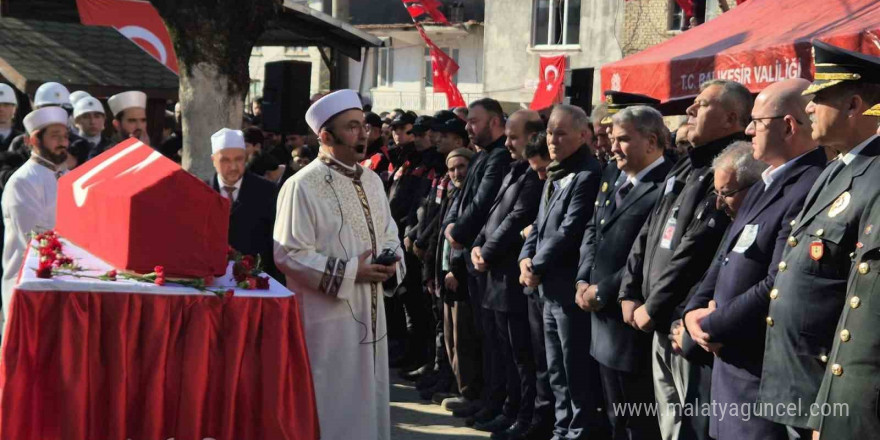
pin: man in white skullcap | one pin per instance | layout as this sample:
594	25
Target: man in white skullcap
130	115
29	197
332	226
50	94
8	104
90	120
252	198
77	95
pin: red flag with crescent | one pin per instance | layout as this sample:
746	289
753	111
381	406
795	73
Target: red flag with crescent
137	20
550	86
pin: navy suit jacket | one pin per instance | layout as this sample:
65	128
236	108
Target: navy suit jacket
515	207
604	251
553	245
740	280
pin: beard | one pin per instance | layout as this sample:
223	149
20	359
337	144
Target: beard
55	158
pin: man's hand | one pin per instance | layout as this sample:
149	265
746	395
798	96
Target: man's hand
451	282
579	295
448	235
643	320
407	244
676	336
477	259
367	272
431	287
628	308
694	320
816	433
527	277
420	253
527	231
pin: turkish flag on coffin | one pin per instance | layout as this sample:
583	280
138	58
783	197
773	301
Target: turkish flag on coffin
549	89
136	209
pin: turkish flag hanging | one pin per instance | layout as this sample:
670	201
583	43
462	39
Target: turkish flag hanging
431	8
443	69
549	90
137	20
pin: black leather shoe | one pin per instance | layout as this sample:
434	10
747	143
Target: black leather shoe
467	411
543	431
414	374
516	431
482	416
428	380
499	424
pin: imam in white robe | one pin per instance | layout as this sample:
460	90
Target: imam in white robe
328	215
28	206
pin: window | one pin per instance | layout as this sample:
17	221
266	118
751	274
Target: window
675	19
429	67
385	71
557	22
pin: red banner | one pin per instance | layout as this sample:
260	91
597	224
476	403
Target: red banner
431	8
137	20
443	69
550	86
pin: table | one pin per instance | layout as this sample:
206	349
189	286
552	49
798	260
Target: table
84	359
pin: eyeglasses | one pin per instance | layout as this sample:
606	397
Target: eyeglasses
766	124
730	193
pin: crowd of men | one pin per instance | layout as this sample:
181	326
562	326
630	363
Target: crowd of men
566	271
576	270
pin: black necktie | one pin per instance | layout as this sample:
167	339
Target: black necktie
621	193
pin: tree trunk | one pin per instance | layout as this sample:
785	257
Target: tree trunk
213	40
207	105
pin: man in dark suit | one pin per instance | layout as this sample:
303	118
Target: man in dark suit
252	199
638	140
810	288
485	125
675	247
548	262
743	273
495	252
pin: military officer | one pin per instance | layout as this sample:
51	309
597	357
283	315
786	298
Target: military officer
809	291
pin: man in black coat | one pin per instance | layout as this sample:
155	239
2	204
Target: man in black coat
676	246
485	125
810	287
252	199
743	273
90	120
548	263
495	252
638	141
410	185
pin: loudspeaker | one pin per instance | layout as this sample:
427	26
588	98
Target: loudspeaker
286	96
580	91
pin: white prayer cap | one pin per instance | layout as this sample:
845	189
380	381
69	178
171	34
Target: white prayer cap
77	95
226	138
331	105
51	93
7	94
126	100
88	104
43	117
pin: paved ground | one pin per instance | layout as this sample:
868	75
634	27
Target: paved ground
416	419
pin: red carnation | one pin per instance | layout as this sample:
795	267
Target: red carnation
252	283
111	275
248	262
160	281
160	271
262	283
44	271
230	292
239	272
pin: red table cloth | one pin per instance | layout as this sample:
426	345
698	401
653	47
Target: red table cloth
96	365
